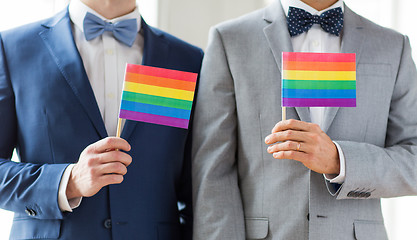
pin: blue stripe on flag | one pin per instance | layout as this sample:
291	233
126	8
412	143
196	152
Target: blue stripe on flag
318	93
156	110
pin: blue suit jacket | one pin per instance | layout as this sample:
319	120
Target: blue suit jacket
49	114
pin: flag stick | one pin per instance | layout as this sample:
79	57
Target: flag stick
119	127
284	113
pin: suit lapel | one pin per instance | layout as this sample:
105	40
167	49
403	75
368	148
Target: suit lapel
60	42
279	41
155	53
351	43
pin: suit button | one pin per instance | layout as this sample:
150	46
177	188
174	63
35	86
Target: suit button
107	223
30	212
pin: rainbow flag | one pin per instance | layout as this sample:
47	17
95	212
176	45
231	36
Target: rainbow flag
157	95
318	79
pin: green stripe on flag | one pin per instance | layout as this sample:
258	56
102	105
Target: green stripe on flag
156	100
317	84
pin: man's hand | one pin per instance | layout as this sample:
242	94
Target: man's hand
100	164
304	142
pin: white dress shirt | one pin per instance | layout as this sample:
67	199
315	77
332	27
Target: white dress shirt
104	60
317	40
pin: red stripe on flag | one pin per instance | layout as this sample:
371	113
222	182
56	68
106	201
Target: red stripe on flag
318	57
161	72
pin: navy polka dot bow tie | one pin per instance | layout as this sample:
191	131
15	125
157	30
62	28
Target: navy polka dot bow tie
300	21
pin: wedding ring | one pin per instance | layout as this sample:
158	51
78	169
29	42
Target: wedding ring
298	146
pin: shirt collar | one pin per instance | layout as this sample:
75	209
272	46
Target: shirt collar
286	4
78	10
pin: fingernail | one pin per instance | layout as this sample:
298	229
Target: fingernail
269	149
267	139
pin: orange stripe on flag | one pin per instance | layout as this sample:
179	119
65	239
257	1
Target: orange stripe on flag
160	82
319	66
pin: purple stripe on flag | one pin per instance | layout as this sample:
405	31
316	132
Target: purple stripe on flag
319	102
156	119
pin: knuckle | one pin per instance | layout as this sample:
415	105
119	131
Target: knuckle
291	121
109	141
91	161
89	149
289	133
109	157
114	167
115	155
315	127
314	137
277	125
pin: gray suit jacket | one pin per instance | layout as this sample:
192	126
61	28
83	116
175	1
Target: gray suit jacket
241	192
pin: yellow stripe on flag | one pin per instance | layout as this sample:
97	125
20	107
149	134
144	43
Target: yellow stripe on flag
319	75
159	91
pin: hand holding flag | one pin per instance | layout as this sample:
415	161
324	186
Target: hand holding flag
306	143
312	80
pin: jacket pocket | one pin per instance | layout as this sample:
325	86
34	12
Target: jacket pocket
256	228
372	230
31	228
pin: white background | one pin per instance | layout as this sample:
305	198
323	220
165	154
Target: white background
191	19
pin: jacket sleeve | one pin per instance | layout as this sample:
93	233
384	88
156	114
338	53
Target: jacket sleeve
24	187
218	211
389	171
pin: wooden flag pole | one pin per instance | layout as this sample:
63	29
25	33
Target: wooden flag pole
119	127
284	113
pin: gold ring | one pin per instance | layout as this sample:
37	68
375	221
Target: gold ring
298	146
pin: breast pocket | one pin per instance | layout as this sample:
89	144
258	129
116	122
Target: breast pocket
375	85
369	230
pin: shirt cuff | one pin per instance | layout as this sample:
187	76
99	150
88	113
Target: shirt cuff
333	178
65	204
